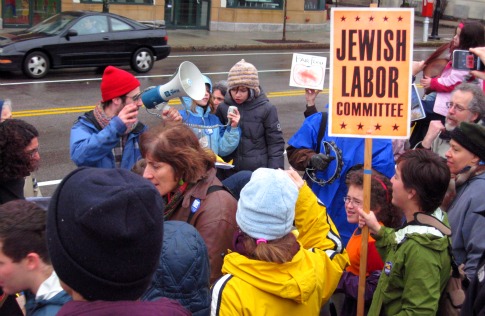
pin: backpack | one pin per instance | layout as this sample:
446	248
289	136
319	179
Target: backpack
453	295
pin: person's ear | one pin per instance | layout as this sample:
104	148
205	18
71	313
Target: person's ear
474	117
411	193
475	160
32	260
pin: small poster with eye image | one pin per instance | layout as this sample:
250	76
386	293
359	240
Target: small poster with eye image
308	71
417	110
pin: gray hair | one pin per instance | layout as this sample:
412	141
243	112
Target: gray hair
477	103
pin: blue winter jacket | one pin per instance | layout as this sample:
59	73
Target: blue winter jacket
353	153
93	146
48	307
222	141
183	273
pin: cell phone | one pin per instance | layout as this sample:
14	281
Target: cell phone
231	109
464	60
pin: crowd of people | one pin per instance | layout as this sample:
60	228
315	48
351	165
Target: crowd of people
149	225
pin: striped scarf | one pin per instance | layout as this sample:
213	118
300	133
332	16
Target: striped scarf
103	120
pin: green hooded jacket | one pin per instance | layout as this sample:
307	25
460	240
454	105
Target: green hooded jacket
416	269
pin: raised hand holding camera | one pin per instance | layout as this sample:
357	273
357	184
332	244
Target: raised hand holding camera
480	52
465	60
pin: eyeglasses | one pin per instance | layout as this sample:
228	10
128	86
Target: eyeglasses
459	108
32	152
135	98
355	203
241	90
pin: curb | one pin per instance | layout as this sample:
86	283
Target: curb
279	46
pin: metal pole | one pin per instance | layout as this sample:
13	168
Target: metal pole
284	21
105	6
436	21
425	29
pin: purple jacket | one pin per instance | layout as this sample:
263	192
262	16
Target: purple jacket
163	306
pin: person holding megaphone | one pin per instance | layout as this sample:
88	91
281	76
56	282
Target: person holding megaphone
199	115
108	135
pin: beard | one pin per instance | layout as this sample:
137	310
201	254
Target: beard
34	164
449	127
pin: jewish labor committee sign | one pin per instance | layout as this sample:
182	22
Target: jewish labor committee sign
370	72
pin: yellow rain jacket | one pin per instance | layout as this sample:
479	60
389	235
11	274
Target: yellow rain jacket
298	287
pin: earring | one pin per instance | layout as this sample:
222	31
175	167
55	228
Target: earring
181	182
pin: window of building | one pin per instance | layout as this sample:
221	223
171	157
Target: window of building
316	4
120	1
255	4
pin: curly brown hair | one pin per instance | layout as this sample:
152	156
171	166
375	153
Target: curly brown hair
380	197
15	136
174	143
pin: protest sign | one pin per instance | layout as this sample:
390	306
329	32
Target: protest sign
370	72
308	71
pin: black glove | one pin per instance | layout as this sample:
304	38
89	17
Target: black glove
320	161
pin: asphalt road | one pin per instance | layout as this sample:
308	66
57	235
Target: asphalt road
53	103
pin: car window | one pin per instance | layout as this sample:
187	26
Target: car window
101	23
52	25
91	25
118	25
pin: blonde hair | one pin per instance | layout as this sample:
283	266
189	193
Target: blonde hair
194	105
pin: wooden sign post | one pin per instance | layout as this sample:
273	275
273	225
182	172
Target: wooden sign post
370	86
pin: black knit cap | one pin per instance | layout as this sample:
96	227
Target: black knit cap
472	137
104	233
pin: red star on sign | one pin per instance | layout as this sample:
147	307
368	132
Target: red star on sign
343	125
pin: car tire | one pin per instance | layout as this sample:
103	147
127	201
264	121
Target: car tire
142	60
36	65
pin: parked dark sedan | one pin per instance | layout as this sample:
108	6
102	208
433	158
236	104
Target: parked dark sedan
83	39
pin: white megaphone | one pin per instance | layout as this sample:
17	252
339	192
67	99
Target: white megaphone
186	81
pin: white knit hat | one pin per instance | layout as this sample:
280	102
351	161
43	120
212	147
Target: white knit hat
266	208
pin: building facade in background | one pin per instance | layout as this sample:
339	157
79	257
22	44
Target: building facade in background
228	15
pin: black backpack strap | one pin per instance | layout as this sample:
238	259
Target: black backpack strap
321	130
211	189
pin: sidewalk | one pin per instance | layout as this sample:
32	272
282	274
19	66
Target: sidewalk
203	40
185	40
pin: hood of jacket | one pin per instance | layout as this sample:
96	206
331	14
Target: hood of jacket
183	272
426	235
200	111
295	280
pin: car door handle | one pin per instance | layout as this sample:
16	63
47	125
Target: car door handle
105	38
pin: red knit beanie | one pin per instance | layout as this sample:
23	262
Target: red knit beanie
117	82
